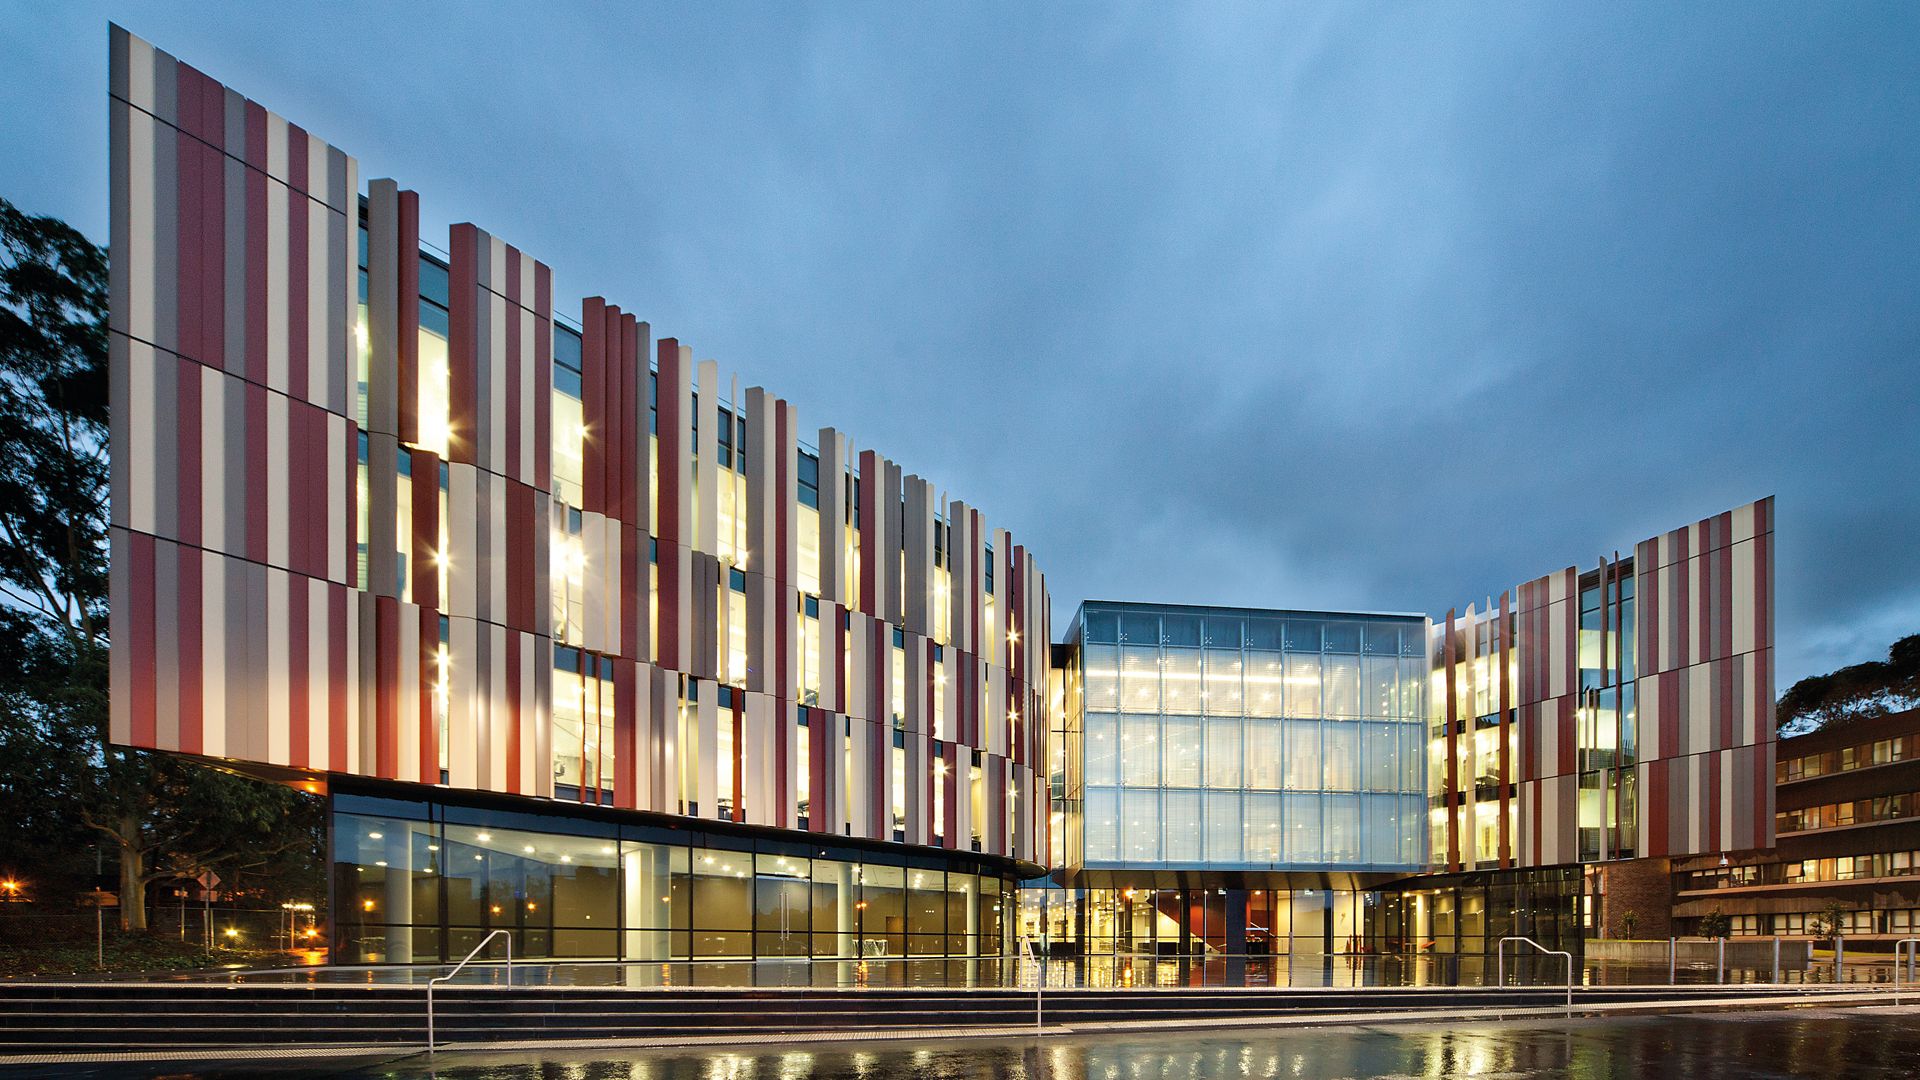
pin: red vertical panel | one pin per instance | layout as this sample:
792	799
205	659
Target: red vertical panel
188	165
190	648
256	188
297	315
672	453
386	687
339	688
298	721
256	442
407	354
293	477
783	595
633	598
511	467
140	632
187	444
736	719
868	524
1646	600
593	404
429	694
978	583
514	718
1711	807
425	493
1682	603
463	362
543	377
819	794
950	813
626	750
520	570
616	458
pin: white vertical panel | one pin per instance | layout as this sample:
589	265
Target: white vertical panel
142	455
278	491
279	722
213	653
407	708
706	765
320	688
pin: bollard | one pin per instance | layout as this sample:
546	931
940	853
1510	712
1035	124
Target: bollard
1839	959
1672	980
1776	959
1720	961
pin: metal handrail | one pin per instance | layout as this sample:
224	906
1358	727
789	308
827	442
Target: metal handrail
431	983
1039	983
1500	954
1909	948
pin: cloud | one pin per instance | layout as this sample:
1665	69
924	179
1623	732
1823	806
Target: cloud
1384	306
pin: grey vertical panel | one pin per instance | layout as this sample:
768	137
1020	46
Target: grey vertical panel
542	551
235	178
917	540
383	481
254	619
483	435
119	655
341	303
166	443
240	715
833	515
166	213
120	200
383	303
890	590
166	645
233	405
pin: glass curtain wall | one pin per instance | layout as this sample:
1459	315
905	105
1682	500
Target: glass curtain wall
426	883
1245	740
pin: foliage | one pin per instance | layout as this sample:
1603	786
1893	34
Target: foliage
157	817
1715	924
1629	919
1855	692
1827	924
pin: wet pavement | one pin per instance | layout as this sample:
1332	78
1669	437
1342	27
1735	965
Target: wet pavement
1829	1043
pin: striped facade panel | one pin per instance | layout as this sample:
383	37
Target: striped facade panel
232	431
1642	698
332	553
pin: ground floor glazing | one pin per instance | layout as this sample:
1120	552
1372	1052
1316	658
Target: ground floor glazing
425	882
1459	914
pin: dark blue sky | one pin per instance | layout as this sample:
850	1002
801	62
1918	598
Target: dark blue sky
1384	307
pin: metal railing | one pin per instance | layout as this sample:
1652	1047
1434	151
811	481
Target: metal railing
431	983
1501	956
1905	948
1034	953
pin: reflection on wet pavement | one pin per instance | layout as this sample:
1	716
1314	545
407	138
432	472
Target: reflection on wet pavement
1833	1044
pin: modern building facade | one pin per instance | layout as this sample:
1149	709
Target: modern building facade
386	516
1590	726
1848	827
587	642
